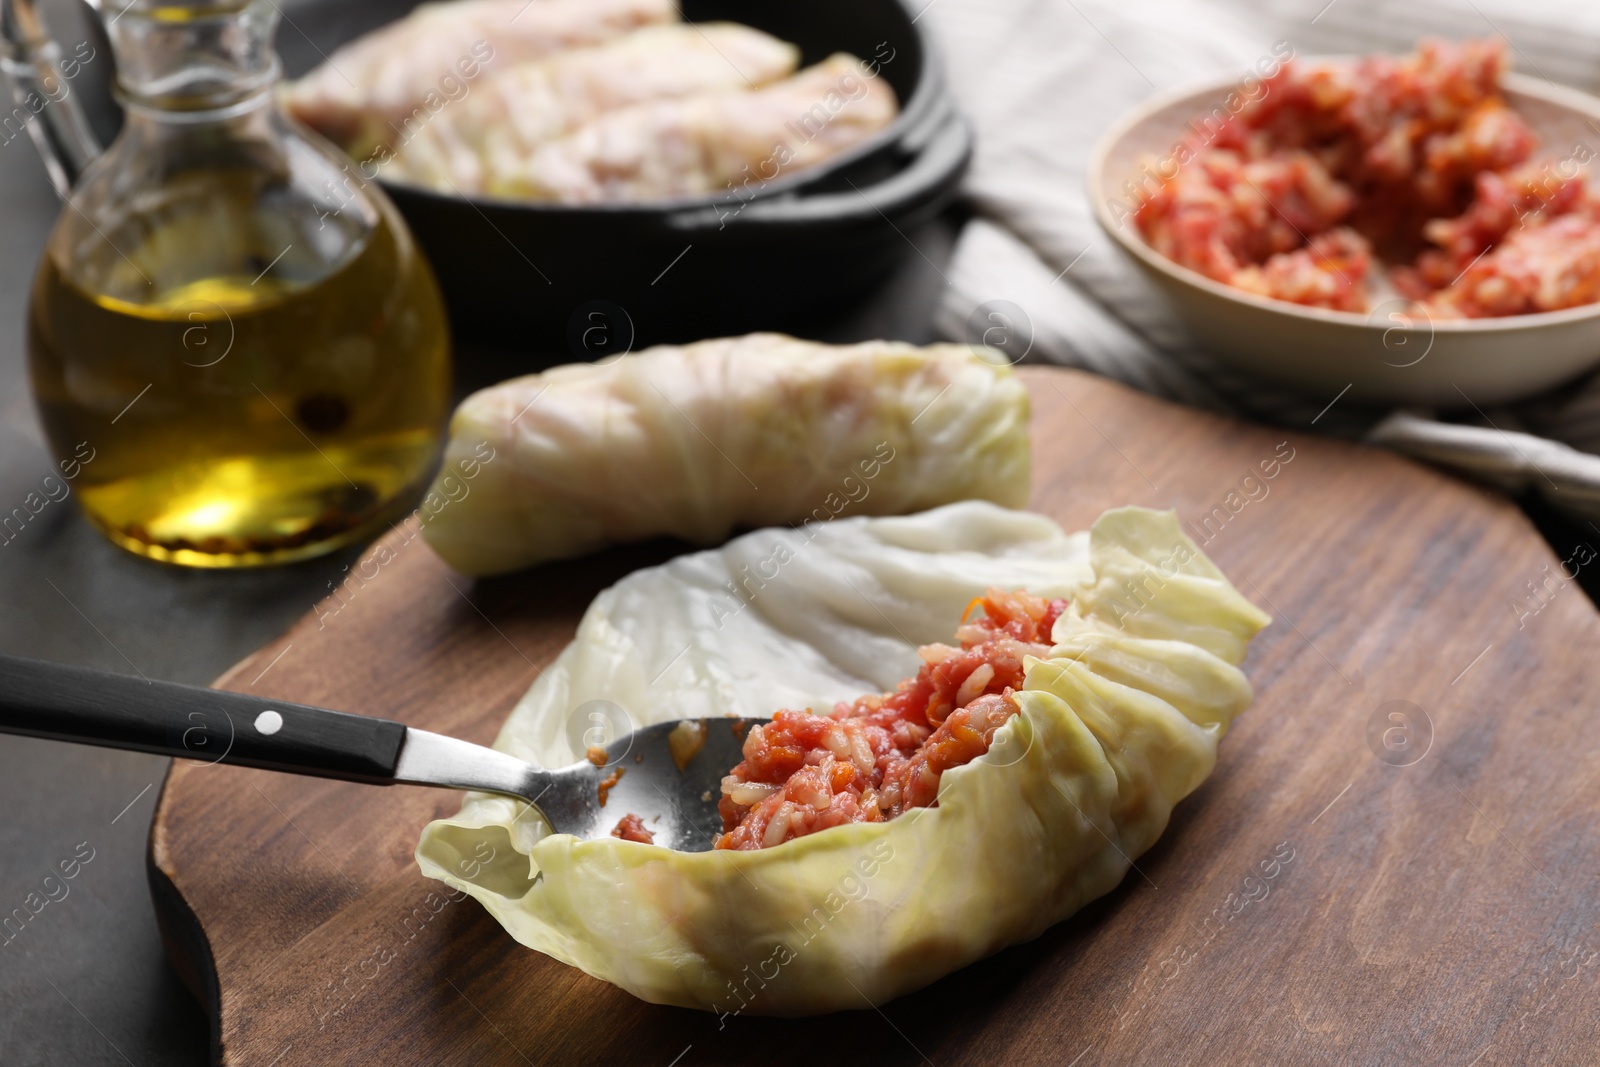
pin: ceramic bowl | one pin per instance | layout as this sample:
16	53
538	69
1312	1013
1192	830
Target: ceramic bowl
1393	354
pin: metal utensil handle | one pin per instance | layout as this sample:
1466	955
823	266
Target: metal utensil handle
65	703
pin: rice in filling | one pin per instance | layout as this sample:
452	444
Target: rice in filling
884	754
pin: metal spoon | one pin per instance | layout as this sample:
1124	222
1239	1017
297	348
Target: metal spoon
640	776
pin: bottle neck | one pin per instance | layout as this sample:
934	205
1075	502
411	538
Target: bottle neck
196	108
193	58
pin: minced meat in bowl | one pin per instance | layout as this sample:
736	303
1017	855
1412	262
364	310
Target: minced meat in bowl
1340	181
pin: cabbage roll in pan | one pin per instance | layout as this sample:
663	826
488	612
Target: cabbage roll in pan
399	77
711	143
480	146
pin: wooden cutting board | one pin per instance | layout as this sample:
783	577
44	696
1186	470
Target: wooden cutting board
1312	903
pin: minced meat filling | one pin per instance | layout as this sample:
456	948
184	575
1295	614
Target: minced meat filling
883	755
1416	159
632	828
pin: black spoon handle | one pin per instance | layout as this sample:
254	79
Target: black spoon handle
64	703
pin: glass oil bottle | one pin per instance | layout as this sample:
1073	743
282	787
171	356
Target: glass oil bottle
238	325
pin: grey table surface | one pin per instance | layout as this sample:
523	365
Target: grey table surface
86	982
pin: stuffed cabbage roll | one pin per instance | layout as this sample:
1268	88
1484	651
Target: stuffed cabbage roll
474	147
710	143
1114	722
379	88
694	440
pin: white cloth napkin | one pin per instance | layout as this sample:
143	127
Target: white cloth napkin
1041	80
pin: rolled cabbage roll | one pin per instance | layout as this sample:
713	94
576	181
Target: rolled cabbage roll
691	441
510	113
397	78
712	142
1116	723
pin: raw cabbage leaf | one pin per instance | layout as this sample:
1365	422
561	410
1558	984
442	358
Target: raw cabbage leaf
1115	727
694	440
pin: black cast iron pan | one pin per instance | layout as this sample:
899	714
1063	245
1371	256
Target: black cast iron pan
565	282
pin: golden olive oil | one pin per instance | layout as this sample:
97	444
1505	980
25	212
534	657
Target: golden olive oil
247	402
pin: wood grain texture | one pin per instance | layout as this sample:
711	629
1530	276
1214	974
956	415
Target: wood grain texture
1443	912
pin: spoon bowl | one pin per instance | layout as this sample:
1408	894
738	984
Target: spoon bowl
672	788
